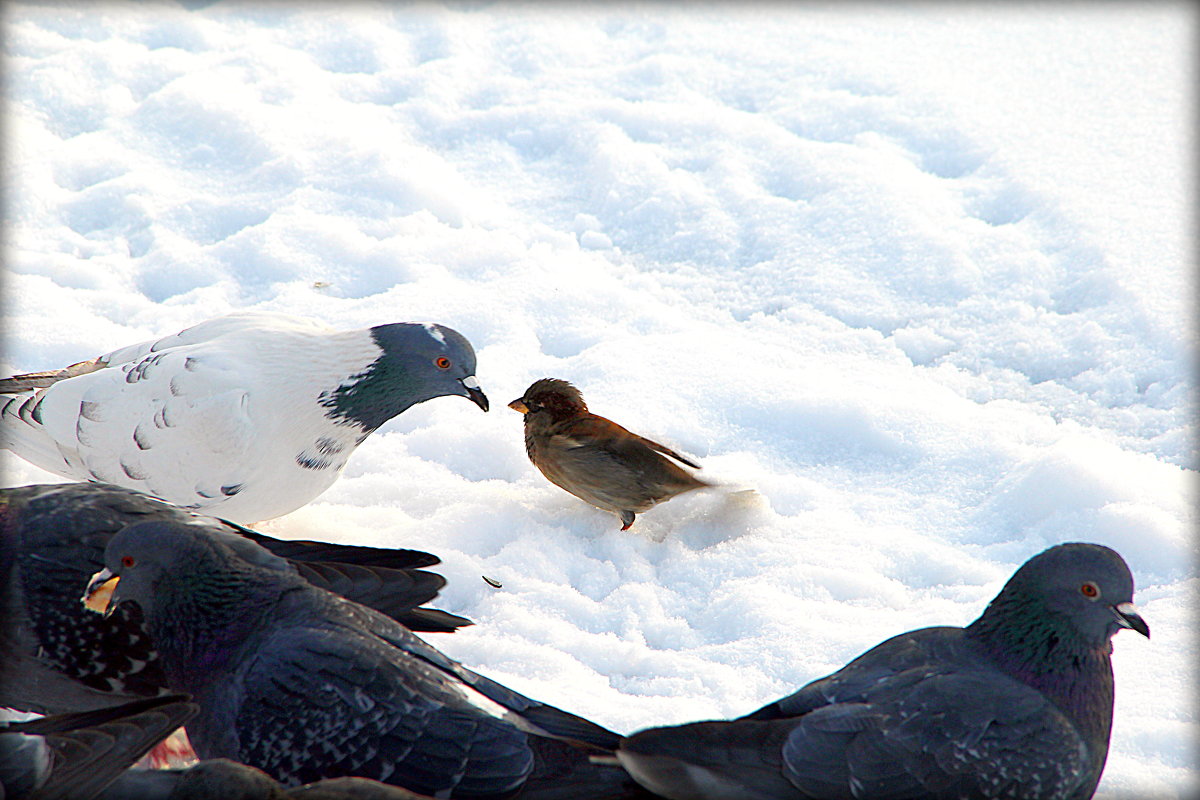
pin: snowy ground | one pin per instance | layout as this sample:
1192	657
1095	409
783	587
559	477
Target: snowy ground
921	276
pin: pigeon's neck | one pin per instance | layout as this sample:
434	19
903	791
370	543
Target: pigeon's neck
201	627
372	397
1034	647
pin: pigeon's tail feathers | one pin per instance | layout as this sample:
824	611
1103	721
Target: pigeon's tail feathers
432	620
551	721
21	433
310	551
398	593
566	725
40	380
573	771
705	759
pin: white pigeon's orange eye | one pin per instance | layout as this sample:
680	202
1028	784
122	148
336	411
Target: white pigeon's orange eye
1090	590
442	362
127	561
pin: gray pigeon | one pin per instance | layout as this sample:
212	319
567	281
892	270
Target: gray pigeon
55	656
307	685
246	417
1016	705
75	756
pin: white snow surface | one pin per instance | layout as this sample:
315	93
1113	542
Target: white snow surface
921	275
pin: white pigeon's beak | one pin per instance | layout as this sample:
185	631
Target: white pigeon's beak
1128	617
474	393
98	596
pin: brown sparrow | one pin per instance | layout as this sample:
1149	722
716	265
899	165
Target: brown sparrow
596	459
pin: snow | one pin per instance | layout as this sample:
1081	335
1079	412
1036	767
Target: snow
920	275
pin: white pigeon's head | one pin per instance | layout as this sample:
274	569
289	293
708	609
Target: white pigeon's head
416	362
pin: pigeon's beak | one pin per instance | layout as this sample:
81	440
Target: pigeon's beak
1128	617
518	405
476	395
98	596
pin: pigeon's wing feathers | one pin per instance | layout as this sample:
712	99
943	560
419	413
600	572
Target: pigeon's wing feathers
69	658
90	750
973	732
899	660
335	693
152	424
547	719
21	432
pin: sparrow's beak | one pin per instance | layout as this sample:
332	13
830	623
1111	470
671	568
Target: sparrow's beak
474	393
517	405
1128	617
98	596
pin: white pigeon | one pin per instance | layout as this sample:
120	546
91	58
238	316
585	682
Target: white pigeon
246	417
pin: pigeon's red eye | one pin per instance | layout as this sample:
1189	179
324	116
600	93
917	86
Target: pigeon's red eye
1089	589
442	362
127	561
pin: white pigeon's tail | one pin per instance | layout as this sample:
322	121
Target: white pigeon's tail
19	384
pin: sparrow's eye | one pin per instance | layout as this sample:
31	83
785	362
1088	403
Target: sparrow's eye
442	362
127	561
1090	590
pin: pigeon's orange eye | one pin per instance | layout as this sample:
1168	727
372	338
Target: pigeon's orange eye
442	362
127	561
1089	589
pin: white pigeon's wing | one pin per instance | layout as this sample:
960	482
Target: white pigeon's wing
174	424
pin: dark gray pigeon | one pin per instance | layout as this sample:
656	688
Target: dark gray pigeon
1016	705
75	756
307	685
246	417
55	656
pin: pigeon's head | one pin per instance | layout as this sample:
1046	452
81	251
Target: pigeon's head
416	362
556	398
150	562
1077	590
